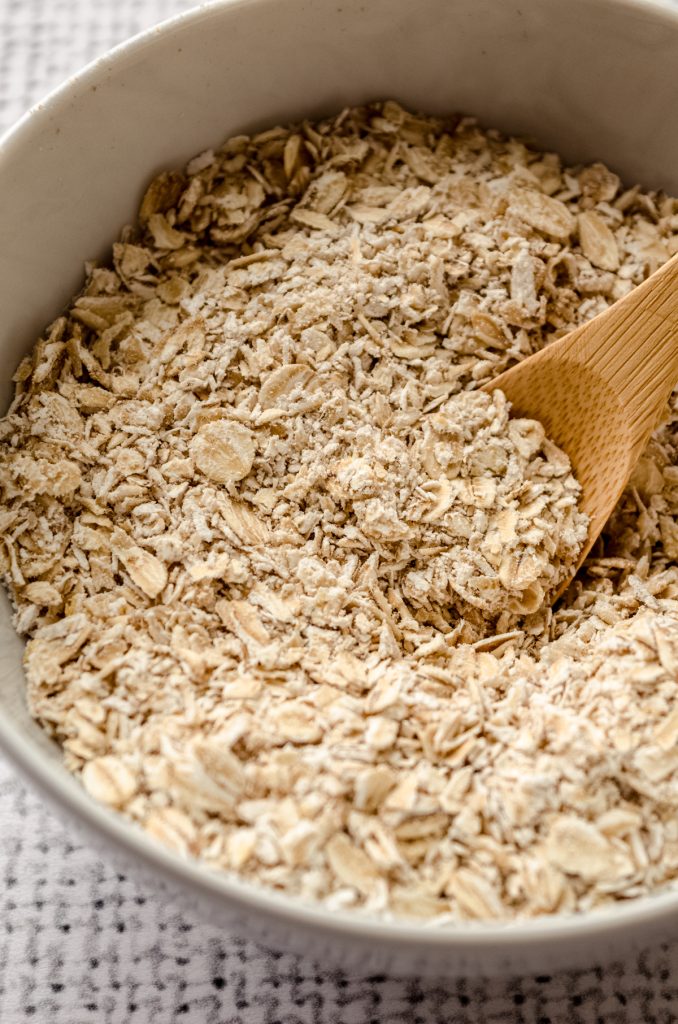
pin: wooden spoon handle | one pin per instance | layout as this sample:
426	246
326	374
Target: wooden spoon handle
633	346
601	389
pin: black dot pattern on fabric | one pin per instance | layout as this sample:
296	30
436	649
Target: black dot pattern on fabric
82	944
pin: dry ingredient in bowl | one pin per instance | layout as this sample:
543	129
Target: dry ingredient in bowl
282	566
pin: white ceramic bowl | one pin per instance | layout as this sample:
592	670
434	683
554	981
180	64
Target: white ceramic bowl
595	79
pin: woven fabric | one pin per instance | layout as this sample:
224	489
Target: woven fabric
81	944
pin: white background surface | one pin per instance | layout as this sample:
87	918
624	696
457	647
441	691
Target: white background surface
80	944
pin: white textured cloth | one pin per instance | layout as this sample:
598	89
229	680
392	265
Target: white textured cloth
81	944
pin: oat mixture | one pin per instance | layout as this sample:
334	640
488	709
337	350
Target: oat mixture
285	570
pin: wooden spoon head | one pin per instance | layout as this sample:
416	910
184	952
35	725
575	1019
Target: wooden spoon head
584	416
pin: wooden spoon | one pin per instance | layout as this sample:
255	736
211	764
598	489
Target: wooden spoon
601	390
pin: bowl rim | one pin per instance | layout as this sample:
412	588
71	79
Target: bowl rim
241	895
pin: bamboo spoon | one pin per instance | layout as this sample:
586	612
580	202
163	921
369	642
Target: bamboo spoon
601	390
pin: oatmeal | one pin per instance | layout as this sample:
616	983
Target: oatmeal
285	571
